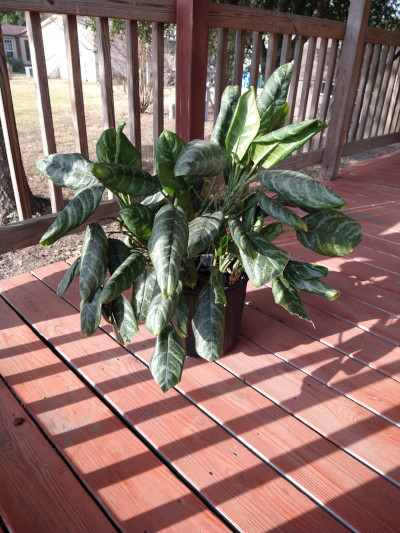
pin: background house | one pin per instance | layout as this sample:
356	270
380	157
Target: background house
16	43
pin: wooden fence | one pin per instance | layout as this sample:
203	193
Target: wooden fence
345	74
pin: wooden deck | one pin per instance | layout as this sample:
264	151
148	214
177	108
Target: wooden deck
296	430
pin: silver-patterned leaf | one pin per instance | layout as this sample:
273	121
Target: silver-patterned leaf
93	261
330	233
208	324
281	213
300	189
270	261
217	280
180	318
244	126
286	296
167	246
118	252
70	274
166	363
123	277
115	147
125	179
74	213
68	170
161	310
203	231
229	100
313	286
272	231
306	270
201	158
143	291
124	318
275	89
138	219
168	149
91	313
241	237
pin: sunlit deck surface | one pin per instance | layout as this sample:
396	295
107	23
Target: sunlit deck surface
295	430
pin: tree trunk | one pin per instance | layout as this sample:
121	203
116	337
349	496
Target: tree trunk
7	200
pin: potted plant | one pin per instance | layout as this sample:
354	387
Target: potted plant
205	221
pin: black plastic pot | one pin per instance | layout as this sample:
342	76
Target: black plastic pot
235	298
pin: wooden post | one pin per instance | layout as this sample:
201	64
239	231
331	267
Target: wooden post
158	81
346	86
105	71
191	67
20	186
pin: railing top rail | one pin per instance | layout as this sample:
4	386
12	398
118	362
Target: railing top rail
379	36
149	10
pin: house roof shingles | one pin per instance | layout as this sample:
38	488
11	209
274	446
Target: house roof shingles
12	30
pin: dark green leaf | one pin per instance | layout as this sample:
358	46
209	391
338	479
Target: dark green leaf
272	231
167	246
306	270
143	291
203	231
201	158
208	324
249	212
118	252
161	310
274	118
166	363
93	261
68	170
275	90
244	126
330	233
125	179
280	212
217	280
168	148
91	314
270	261
241	237
123	277
180	318
188	274
138	219
74	213
314	286
124	317
115	147
229	100
276	145
70	274
286	296
300	189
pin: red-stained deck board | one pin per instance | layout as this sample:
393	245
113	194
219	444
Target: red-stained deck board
272	431
38	491
239	484
327	413
135	488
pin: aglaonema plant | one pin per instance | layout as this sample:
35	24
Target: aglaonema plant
206	218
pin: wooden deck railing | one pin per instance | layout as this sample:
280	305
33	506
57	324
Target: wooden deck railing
345	74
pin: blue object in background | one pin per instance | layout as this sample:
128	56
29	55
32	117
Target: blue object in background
246	80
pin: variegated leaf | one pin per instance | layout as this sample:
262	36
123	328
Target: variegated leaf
188	274
203	231
275	89
143	291
123	277
68	170
313	286
167	246
125	179
241	237
166	363
272	231
168	149
74	213
91	313
115	147
280	212
300	189
208	324
93	261
286	296
118	252
244	126
70	274
180	318
330	233
306	270
249	212
124	318
138	219
270	261
161	310
274	118
229	100
217	280
201	158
